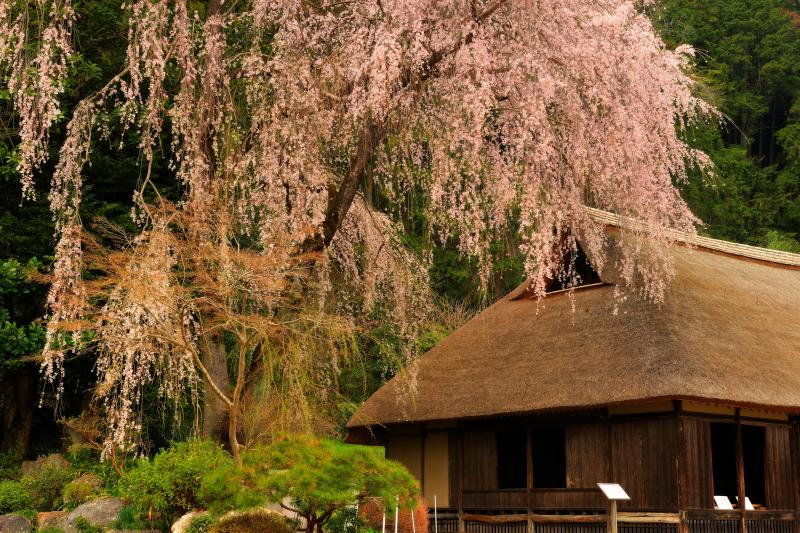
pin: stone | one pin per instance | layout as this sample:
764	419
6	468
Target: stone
182	523
51	519
54	460
14	523
101	512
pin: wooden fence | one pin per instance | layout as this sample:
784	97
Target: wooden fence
700	522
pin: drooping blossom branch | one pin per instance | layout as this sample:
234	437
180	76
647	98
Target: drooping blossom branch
35	69
497	113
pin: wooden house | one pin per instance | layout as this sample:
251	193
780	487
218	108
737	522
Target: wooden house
510	423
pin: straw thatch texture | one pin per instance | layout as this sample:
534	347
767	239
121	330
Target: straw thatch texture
728	331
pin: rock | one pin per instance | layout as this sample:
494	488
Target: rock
54	460
101	512
182	523
14	523
51	519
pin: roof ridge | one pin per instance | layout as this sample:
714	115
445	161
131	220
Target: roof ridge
733	248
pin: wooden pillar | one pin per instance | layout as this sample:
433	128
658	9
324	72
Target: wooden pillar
461	480
529	469
609	447
682	473
740	470
423	438
612	516
794	446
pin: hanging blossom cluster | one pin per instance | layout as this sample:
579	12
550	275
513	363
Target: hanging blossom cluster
496	113
145	336
35	71
374	264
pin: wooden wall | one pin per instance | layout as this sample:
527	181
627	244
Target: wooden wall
778	468
480	460
698	477
587	454
644	458
646	454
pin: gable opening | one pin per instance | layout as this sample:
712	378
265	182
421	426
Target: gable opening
576	271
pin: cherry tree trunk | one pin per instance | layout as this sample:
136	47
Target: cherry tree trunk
215	412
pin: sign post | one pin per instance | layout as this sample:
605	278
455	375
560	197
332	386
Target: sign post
613	493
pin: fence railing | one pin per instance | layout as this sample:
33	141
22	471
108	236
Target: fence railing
629	522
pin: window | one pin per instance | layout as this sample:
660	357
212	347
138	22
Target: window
723	460
512	466
753	455
549	459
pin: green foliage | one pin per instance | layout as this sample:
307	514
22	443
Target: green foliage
19	335
78	491
252	521
14	497
50	530
748	62
200	524
131	518
84	526
345	520
10	465
319	476
170	482
86	460
47	486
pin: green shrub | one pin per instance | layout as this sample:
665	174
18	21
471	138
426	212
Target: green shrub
131	518
80	490
13	497
83	458
83	526
46	487
253	521
10	464
319	476
50	530
86	459
170	483
200	524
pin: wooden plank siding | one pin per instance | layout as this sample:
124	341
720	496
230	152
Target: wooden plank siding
644	455
699	480
587	450
778	467
480	460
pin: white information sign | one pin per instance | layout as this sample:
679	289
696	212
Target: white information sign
748	505
613	491
722	502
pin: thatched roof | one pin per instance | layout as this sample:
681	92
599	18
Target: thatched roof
728	332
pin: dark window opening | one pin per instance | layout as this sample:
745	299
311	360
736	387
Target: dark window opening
723	460
579	274
549	459
753	455
512	466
